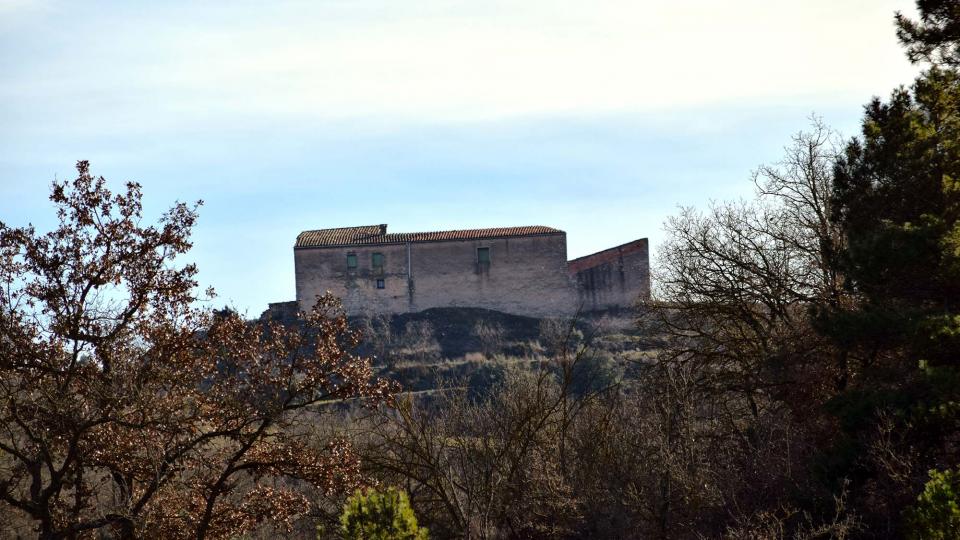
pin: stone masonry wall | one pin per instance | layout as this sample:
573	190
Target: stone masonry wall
325	269
613	278
525	276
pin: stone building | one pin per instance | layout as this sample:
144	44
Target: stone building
519	270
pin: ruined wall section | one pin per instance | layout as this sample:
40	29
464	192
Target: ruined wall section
613	278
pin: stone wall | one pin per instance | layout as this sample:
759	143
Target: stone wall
325	269
613	278
526	275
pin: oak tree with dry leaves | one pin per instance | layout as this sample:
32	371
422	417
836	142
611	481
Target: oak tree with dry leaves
129	409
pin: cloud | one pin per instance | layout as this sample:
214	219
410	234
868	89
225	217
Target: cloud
447	61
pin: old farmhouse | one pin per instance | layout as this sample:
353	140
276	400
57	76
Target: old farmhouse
519	270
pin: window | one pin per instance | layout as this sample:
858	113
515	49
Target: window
380	284
483	255
377	260
351	261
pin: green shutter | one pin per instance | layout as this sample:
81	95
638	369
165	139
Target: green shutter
483	255
351	260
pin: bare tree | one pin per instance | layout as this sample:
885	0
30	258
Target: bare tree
741	362
737	284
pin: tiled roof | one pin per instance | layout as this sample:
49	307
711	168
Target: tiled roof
342	236
377	234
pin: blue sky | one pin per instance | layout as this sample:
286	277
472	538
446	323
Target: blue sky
599	118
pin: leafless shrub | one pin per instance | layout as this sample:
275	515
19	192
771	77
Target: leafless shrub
790	524
419	340
560	337
490	335
378	337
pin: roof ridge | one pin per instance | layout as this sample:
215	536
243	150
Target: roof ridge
344	228
372	234
443	231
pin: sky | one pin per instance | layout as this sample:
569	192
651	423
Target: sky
600	118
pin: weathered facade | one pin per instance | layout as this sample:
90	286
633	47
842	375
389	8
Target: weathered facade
609	278
520	270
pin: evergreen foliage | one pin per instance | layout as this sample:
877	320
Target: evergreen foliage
936	36
380	515
896	196
936	516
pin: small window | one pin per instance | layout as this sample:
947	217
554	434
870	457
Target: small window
380	284
351	261
377	260
483	255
